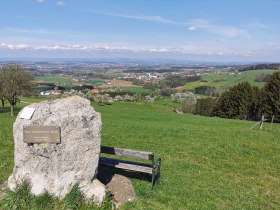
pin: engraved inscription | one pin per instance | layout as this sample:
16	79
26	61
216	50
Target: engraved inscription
41	134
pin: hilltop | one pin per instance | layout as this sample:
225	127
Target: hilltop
207	163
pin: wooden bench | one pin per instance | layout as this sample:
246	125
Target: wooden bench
153	169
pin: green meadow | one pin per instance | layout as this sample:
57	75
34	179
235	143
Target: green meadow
97	81
136	90
224	79
207	163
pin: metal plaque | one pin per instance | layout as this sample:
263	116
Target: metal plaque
27	113
41	134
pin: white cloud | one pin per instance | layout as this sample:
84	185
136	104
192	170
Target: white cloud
60	3
160	50
40	1
188	49
77	47
157	19
13	47
191	48
192	28
210	27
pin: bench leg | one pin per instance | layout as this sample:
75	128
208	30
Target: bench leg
156	173
153	180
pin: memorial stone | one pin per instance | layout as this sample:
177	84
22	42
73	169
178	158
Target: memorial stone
56	146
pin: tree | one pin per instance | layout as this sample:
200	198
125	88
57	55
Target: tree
256	104
16	81
207	91
272	95
237	102
205	106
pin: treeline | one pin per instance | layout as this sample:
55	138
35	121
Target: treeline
152	70
174	81
274	66
170	82
244	101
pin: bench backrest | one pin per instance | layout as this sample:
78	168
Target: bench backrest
127	153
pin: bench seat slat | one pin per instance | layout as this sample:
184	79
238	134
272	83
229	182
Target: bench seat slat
128	165
127	153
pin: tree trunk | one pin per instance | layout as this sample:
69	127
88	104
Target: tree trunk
13	102
12	109
3	104
271	122
261	123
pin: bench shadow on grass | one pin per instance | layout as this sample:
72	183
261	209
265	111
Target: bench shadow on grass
105	174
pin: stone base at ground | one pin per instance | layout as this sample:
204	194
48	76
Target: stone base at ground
118	186
95	191
121	189
55	168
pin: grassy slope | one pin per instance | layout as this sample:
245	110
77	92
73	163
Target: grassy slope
224	80
6	144
208	163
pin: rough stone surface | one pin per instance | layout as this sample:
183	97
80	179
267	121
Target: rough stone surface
121	189
55	168
95	192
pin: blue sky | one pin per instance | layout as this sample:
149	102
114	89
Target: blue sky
204	30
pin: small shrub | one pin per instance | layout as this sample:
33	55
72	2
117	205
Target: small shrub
188	105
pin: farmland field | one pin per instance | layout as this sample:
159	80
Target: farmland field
207	163
54	79
224	80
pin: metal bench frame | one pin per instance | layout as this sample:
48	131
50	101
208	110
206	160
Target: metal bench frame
152	169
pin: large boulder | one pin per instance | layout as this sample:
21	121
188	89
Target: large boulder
55	168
